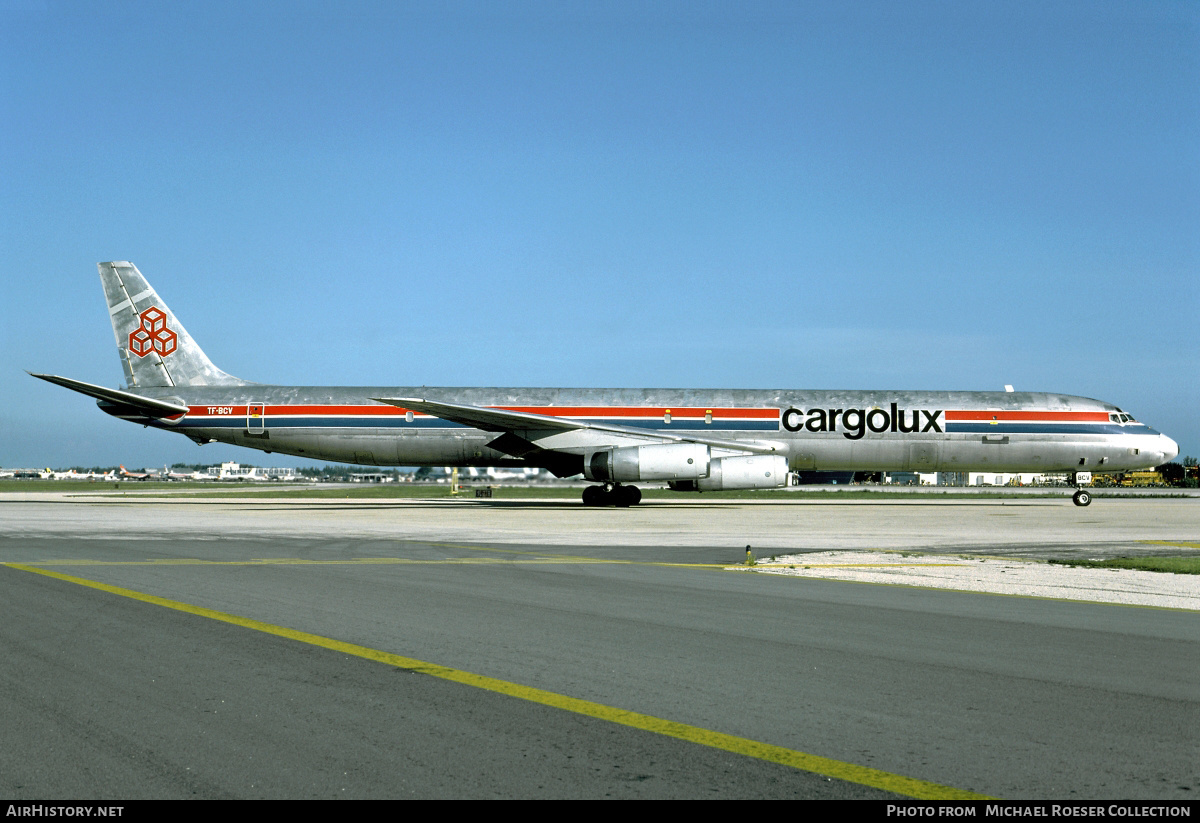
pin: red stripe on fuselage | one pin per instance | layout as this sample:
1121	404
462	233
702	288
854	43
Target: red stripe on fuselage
634	411
646	411
551	411
203	411
236	411
1026	416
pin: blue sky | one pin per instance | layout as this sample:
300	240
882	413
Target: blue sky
859	195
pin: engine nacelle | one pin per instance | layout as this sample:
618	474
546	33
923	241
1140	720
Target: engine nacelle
760	471
671	461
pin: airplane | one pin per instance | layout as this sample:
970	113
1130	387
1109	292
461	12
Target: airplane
523	474
71	474
128	475
694	439
492	473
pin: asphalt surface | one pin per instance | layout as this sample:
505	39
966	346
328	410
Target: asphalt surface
1040	528
1011	697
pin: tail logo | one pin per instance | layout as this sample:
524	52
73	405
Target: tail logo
153	335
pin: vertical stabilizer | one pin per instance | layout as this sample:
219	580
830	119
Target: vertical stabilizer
154	347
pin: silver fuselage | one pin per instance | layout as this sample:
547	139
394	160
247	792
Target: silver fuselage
822	430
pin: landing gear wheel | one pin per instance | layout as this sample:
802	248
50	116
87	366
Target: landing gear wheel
617	495
1081	498
625	496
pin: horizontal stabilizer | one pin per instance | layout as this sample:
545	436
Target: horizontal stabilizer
152	407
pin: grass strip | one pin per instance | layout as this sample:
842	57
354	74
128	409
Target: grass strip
1173	565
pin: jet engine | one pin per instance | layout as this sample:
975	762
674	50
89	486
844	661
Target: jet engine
760	471
672	461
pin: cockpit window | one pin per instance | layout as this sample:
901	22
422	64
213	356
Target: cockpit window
1116	418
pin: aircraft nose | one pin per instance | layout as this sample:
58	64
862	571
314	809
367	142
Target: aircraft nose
1170	448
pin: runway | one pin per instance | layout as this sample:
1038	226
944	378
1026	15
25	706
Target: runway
305	649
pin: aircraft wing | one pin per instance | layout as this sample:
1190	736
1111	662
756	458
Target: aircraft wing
147	405
505	420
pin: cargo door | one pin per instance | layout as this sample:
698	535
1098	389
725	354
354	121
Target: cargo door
256	418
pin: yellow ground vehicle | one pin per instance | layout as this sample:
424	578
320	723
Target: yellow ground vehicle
1142	478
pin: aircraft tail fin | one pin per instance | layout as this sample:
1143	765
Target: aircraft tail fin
154	347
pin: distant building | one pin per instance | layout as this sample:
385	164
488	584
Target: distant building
235	471
1006	479
815	478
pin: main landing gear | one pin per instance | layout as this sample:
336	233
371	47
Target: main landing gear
612	494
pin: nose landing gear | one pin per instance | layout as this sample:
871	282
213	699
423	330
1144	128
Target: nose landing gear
1081	497
612	494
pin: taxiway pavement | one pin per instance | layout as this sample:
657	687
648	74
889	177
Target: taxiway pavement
627	610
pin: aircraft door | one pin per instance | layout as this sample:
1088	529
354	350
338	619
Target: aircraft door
256	418
922	456
804	460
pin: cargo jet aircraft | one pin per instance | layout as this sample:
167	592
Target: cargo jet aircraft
694	439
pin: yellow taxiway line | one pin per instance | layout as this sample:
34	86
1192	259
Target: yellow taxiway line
850	772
